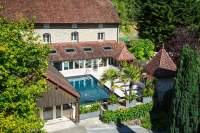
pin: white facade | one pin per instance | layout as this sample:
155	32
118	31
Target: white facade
97	67
87	32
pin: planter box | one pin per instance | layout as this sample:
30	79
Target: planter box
147	99
131	103
89	115
113	107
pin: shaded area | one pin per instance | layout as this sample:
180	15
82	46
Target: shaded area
160	113
121	128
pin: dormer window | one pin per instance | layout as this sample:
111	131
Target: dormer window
70	50
107	48
101	36
74	26
74	36
47	38
87	49
52	51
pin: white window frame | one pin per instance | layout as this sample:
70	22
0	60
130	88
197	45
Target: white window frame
75	36
67	65
47	38
101	36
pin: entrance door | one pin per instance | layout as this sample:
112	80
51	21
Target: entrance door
48	113
95	65
58	111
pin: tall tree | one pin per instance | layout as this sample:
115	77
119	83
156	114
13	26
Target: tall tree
23	62
185	106
158	19
155	20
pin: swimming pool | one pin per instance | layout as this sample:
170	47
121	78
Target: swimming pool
89	88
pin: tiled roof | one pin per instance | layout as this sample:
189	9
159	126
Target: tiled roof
161	65
125	55
57	78
118	51
61	11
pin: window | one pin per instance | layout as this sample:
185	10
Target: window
48	113
52	51
74	36
95	65
100	25
66	65
46	26
107	48
66	106
88	63
76	64
81	63
69	50
110	61
101	36
58	65
103	62
87	49
71	65
74	26
47	38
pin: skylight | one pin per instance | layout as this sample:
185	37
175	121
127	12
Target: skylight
69	50
52	51
87	49
107	48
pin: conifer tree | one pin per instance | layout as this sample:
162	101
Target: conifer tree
157	19
185	107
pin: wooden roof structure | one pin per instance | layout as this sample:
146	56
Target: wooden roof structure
57	78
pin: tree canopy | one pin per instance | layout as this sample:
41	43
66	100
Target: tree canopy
158	19
23	62
143	49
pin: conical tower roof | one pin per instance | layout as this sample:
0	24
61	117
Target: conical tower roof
161	65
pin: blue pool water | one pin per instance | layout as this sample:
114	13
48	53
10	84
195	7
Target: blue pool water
89	88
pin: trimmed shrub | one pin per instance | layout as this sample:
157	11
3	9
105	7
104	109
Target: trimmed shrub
90	108
127	114
113	99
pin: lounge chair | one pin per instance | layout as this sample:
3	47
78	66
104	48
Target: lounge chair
119	93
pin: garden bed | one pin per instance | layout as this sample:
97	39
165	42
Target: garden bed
127	114
90	108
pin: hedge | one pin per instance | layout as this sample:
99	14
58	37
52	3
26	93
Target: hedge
127	114
90	108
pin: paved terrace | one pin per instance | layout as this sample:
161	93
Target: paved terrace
94	125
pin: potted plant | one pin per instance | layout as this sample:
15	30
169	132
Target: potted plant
131	100
147	94
89	111
113	100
